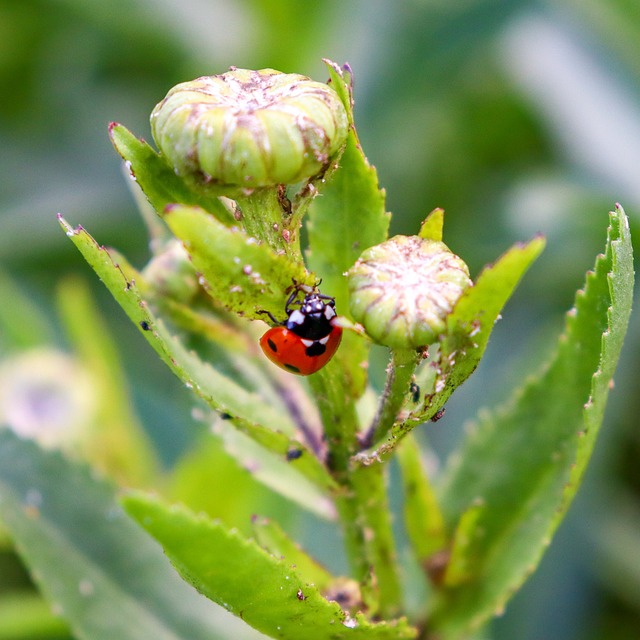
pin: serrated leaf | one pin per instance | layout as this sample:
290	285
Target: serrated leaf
479	308
524	461
348	217
107	579
272	429
235	572
272	538
157	179
241	274
217	390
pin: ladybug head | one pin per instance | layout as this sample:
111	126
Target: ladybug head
312	320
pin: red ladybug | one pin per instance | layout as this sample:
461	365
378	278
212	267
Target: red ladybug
308	338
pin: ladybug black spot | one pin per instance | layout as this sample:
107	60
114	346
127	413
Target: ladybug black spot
272	345
316	349
291	367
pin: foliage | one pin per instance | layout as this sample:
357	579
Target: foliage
477	535
458	106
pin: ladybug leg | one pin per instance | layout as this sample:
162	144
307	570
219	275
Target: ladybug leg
291	301
268	313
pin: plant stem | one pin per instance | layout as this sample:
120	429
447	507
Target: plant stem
266	216
399	373
371	495
362	502
340	423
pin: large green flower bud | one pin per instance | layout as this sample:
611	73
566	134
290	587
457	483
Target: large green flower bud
403	290
250	128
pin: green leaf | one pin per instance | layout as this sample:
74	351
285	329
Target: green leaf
348	217
475	314
157	179
207	464
272	537
241	274
117	443
22	324
107	578
217	390
235	572
432	227
279	472
342	83
423	519
272	429
521	465
26	616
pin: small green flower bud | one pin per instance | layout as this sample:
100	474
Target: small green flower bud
403	290
250	128
171	273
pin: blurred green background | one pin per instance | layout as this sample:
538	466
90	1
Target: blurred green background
515	116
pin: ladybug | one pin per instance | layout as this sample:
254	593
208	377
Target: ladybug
308	338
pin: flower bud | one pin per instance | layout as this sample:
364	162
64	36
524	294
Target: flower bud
47	396
250	128
403	290
171	273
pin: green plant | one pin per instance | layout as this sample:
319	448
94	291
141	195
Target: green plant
225	223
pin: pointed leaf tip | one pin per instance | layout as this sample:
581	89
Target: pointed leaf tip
433	226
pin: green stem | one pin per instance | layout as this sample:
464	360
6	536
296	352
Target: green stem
266	217
339	418
340	424
371	494
362	499
399	373
303	199
354	541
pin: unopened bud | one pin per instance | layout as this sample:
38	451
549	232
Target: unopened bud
47	396
402	290
250	128
171	273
